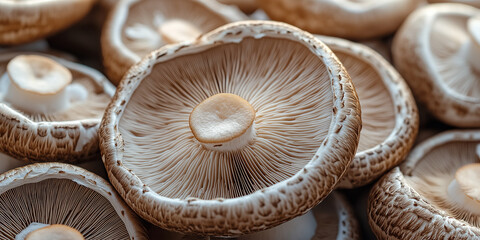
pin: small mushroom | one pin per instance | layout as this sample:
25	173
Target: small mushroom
29	20
137	27
353	19
437	50
183	173
435	192
389	112
50	108
331	219
45	200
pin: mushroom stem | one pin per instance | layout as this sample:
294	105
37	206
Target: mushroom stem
223	122
464	189
177	30
40	231
474	53
37	84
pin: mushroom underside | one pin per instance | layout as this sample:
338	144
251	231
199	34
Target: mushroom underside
59	201
287	85
432	176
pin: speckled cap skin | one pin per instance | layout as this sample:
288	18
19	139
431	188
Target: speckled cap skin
397	210
29	139
380	155
268	206
27	21
38	172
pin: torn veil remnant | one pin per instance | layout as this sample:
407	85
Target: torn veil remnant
57	198
50	108
305	130
137	27
435	190
437	51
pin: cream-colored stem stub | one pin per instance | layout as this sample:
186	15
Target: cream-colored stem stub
223	122
178	30
37	84
465	188
474	53
40	231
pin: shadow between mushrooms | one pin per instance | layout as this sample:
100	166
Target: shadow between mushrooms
251	175
353	19
435	192
55	195
389	112
50	108
29	20
437	50
137	27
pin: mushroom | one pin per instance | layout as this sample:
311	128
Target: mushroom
331	219
354	19
50	108
136	27
389	112
437	50
182	173
473	3
435	192
39	201
29	20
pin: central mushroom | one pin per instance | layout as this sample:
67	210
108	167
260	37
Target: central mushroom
246	128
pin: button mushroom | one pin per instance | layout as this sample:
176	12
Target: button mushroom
354	19
50	108
137	27
434	194
182	173
389	112
437	50
45	200
29	20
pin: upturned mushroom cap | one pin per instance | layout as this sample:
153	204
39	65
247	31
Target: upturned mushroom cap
438	56
137	27
389	112
44	122
55	193
353	19
331	219
433	193
306	126
29	20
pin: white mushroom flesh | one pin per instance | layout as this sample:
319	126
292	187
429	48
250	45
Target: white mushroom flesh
286	84
59	201
439	178
455	54
82	99
38	231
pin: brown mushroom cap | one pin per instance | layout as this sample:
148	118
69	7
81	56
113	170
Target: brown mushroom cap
432	50
307	126
351	19
67	135
415	200
56	193
134	28
30	20
389	112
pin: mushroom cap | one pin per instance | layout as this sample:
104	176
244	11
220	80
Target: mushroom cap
389	113
429	52
342	18
57	193
333	218
404	204
120	51
67	136
29	20
171	181
473	3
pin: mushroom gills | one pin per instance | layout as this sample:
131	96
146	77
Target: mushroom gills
40	231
